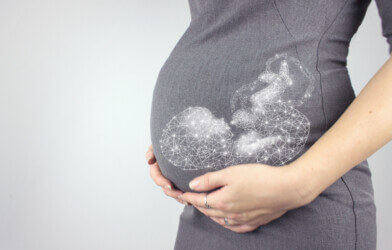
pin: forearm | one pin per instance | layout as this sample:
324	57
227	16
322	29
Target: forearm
361	130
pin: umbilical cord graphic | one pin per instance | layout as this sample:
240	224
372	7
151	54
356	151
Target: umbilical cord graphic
272	130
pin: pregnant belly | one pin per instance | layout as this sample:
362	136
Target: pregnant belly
200	126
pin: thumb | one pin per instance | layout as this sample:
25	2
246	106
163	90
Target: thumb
209	181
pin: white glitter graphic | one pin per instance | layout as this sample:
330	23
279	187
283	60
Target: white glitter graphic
272	131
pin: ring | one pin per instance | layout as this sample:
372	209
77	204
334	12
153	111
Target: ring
205	202
226	221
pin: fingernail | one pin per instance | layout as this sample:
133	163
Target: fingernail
194	184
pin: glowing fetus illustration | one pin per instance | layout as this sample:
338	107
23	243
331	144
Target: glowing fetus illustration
272	130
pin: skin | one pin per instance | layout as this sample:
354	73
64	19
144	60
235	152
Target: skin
252	195
159	179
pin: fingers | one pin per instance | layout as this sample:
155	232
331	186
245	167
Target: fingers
165	184
239	228
219	216
211	212
150	157
242	218
193	198
214	199
209	181
158	178
183	202
174	193
221	221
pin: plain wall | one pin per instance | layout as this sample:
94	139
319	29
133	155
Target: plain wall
76	81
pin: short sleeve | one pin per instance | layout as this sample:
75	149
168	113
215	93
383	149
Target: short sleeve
385	12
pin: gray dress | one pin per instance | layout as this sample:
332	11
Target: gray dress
259	81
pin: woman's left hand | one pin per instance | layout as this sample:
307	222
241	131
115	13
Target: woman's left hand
250	195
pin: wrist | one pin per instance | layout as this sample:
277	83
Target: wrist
305	181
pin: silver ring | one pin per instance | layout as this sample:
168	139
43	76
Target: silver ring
226	221
205	202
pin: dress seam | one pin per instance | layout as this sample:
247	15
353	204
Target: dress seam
325	117
318	62
288	30
355	215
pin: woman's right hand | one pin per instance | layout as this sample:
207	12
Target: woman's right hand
159	179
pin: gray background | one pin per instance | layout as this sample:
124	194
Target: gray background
76	81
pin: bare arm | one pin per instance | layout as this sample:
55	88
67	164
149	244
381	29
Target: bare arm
361	130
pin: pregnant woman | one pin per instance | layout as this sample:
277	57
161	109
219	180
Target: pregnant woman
256	128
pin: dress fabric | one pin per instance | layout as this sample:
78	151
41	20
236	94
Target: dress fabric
259	81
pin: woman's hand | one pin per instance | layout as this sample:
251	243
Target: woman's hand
250	195
159	179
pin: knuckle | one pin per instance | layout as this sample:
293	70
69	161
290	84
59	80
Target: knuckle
229	206
225	201
245	216
221	205
235	217
225	205
238	216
